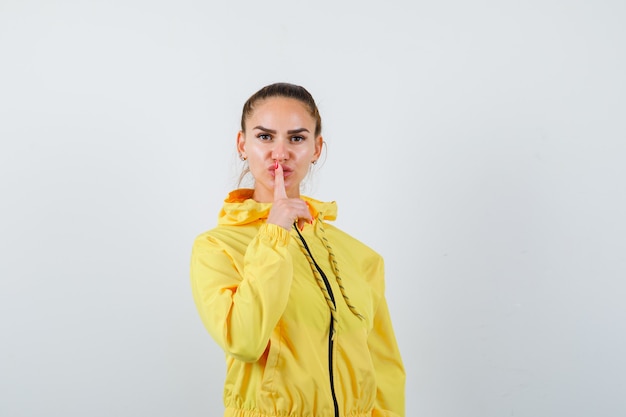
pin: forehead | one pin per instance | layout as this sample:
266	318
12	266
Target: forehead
281	110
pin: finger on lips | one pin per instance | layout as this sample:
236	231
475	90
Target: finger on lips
280	193
279	182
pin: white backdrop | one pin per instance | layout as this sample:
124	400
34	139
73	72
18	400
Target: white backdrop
478	146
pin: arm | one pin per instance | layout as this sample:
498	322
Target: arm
390	374
240	308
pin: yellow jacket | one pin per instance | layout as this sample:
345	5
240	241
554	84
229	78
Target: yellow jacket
301	316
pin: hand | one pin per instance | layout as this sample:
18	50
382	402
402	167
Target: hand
285	211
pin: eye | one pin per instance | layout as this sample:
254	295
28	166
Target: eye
264	136
297	138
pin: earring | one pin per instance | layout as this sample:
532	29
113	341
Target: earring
243	158
314	161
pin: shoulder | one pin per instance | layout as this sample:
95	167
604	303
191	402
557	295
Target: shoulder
364	263
356	252
225	237
350	243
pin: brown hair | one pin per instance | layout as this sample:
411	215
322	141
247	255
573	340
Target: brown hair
283	90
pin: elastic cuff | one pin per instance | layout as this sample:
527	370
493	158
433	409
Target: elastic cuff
273	233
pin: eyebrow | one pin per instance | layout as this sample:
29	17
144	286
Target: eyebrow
291	132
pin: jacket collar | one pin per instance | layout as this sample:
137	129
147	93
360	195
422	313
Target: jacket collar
239	208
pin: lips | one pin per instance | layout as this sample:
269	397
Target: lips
286	170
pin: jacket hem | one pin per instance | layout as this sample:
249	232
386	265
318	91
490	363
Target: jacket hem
237	412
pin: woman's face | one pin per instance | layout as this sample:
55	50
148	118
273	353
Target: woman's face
279	129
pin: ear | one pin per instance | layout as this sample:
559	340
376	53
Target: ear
241	143
319	144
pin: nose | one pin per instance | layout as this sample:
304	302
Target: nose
280	152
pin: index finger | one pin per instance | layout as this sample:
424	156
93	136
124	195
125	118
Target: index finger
279	183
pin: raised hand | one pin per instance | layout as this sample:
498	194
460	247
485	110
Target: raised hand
285	211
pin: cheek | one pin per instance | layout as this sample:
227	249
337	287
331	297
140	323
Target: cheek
306	157
257	164
255	156
254	165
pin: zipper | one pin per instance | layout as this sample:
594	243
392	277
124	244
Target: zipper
331	343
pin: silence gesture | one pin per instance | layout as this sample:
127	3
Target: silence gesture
285	211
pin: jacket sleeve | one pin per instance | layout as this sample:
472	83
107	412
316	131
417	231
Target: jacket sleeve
240	307
390	373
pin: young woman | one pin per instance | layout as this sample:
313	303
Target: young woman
297	305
